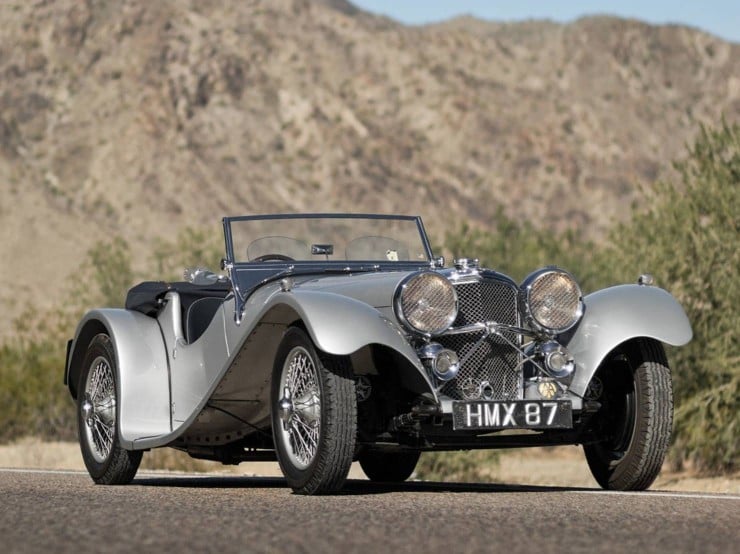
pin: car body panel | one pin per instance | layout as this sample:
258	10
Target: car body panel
373	289
617	314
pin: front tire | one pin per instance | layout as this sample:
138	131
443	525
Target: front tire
636	418
388	467
314	415
97	418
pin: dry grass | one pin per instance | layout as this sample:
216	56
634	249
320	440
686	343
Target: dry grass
175	460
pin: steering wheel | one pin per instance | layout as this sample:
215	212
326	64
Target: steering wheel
273	258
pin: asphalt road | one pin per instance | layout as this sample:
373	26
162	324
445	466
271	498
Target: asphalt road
43	511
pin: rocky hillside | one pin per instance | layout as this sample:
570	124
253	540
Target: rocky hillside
138	118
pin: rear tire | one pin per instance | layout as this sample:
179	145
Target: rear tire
97	417
314	415
636	418
388	467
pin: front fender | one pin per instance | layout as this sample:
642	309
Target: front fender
341	325
142	378
617	314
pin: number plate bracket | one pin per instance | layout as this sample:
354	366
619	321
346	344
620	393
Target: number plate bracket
512	414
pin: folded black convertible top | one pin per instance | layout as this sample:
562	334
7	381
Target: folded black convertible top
147	297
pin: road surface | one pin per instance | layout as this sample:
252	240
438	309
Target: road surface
63	511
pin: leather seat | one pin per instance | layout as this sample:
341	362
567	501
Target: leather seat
199	316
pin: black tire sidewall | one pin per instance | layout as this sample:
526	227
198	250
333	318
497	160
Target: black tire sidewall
651	412
639	428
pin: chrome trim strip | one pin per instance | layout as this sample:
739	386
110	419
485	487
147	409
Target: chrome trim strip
490	326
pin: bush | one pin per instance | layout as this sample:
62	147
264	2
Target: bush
686	233
192	248
516	248
708	429
32	398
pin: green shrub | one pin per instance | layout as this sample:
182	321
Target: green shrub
33	400
517	247
708	429
109	272
192	248
686	233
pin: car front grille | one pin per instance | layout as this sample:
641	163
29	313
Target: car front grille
492	371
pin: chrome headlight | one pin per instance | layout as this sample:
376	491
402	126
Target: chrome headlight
551	300
426	303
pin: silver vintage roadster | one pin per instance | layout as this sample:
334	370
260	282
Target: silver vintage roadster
340	337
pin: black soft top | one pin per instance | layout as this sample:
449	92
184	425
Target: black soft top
147	297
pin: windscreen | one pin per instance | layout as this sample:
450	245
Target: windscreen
328	238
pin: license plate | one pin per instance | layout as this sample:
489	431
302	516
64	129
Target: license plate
513	414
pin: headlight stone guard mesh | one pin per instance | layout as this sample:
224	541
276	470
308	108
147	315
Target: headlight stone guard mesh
555	300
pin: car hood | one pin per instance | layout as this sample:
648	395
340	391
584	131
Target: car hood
374	289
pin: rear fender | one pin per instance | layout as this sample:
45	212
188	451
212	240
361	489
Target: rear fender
142	378
618	314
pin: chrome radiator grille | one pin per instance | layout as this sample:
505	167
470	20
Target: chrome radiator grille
493	369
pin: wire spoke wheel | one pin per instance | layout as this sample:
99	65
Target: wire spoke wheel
97	417
99	409
314	415
301	405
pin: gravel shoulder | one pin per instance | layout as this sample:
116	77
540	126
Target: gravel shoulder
555	466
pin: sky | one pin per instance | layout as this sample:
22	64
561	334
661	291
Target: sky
719	17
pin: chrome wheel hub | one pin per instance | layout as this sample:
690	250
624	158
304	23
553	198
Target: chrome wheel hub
363	388
299	408
98	409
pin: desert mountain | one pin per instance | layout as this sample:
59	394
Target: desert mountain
139	118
